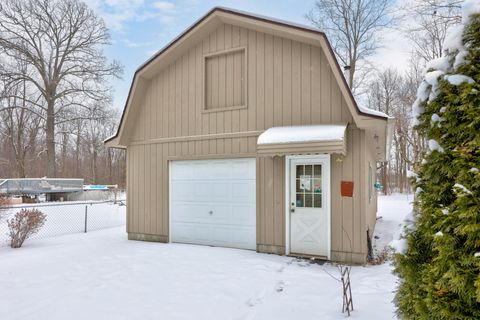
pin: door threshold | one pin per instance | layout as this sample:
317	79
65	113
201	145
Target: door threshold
307	256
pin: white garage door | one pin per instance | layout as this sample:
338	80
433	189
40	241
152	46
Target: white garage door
212	202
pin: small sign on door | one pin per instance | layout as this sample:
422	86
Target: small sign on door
305	182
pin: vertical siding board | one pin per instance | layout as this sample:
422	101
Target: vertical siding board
236	75
154	184
165	107
305	80
130	197
315	85
205	116
141	190
134	187
153	117
347	202
229	79
269	67
243	113
198	108
252	79
222	75
264	189
171	103
147	198
287	82
165	184
184	96
178	97
277	81
325	101
336	101
278	216
296	83
158	121
214	93
260	88
159	185
359	196
336	204
364	200
215	84
269	200
258	197
148	109
191	93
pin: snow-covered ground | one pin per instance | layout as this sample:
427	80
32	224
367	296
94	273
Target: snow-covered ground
102	275
391	212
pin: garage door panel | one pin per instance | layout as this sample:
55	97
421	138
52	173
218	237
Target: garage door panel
237	237
191	213
241	215
220	191
243	191
191	233
213	202
243	169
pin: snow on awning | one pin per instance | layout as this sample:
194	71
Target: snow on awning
310	139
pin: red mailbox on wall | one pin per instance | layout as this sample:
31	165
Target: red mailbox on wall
347	188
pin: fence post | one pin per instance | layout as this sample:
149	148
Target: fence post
86	215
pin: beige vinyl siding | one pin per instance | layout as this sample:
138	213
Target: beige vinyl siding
223	70
287	83
371	205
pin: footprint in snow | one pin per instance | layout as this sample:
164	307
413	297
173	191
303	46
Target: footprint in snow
280	286
257	299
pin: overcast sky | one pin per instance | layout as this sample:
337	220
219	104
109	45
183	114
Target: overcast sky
141	27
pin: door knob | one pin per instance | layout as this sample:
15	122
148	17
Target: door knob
210	212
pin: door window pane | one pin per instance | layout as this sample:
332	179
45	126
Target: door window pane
308	200
317	170
299	201
317	185
317	200
299	170
308	169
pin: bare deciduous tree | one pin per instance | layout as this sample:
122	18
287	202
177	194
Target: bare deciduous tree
21	124
61	42
353	28
429	21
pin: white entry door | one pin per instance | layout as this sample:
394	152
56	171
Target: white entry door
212	202
309	206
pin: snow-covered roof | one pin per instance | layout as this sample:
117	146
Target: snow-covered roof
323	132
373	112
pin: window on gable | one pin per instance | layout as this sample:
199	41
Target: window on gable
225	80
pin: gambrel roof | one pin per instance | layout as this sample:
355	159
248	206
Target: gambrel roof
363	118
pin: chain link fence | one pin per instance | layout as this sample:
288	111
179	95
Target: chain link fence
69	217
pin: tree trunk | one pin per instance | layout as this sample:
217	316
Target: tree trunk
77	153
50	135
94	166
385	178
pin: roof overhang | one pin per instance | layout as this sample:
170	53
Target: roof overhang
313	139
209	23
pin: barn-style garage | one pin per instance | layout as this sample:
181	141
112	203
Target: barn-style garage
243	133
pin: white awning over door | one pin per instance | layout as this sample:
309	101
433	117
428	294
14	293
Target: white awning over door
311	139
